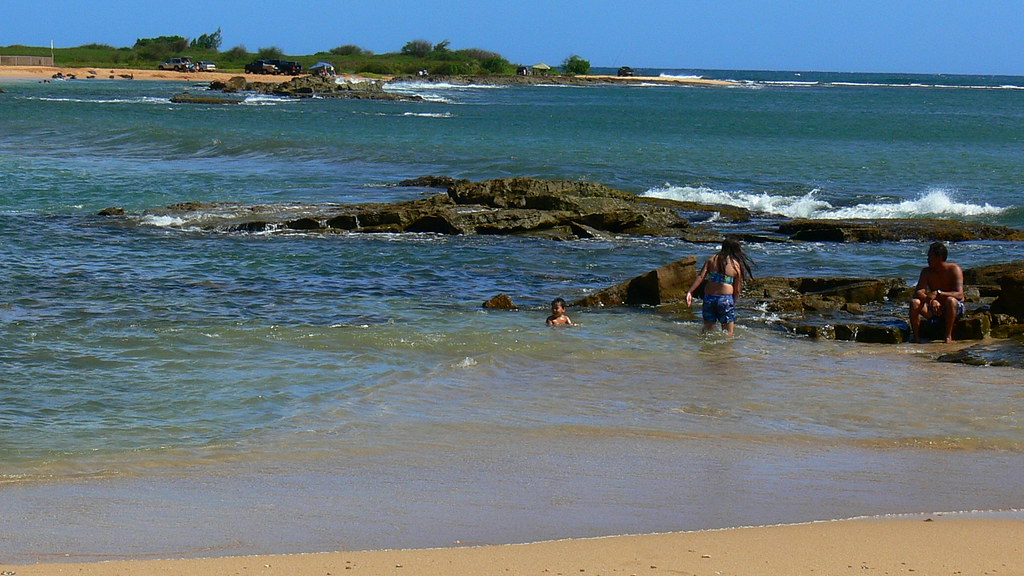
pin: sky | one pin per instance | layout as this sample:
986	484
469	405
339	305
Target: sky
909	36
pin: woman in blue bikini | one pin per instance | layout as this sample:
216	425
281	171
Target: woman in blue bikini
724	273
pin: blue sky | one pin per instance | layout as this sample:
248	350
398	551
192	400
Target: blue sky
927	36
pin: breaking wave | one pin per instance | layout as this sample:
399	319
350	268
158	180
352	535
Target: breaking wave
937	203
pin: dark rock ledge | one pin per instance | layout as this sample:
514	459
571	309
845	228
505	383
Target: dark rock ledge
561	209
549	208
313	86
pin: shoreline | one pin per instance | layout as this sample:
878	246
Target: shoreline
924	544
47	72
84	73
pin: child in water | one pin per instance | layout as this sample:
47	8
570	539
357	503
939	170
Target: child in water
724	273
558	317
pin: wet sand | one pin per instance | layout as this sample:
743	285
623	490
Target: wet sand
932	545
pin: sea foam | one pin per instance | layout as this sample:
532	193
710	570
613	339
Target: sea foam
937	203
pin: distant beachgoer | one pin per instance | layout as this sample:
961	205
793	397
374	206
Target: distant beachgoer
558	317
724	273
939	295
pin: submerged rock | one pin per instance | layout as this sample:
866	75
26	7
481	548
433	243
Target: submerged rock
193	99
501	302
999	353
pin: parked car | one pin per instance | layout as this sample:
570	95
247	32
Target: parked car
179	64
626	71
287	67
261	67
205	66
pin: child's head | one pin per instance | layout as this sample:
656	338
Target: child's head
558	306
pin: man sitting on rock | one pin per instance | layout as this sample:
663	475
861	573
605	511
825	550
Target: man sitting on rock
939	294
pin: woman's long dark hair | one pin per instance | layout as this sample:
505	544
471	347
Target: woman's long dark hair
731	248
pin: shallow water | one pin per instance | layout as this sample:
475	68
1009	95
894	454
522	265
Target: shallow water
285	393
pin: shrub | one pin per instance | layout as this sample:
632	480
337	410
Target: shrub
347	50
496	65
382	68
238	53
478	54
453	69
172	43
160	47
270	53
417	48
97	47
576	65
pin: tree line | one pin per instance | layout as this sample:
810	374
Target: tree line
415	56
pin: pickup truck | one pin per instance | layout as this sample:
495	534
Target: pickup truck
261	67
287	67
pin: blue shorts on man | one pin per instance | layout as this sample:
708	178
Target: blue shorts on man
719	308
961	309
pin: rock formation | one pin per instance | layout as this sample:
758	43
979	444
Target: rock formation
310	86
663	285
553	208
560	209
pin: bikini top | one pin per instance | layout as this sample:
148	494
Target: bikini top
721	278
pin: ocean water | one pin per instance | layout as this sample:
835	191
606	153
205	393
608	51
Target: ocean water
166	391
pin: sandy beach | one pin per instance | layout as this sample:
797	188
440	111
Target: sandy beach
931	545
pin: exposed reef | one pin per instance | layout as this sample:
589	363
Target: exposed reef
314	86
561	209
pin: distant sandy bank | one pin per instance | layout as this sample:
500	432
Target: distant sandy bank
931	546
47	72
663	80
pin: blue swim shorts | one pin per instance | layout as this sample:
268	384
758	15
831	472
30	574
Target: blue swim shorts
961	309
719	308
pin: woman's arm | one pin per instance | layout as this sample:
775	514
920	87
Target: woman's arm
696	282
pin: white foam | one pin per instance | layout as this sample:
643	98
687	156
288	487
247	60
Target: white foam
266	100
434	86
466	362
681	76
140	100
934	203
430	114
164	221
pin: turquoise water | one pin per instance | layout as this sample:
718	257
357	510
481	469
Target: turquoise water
285	393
